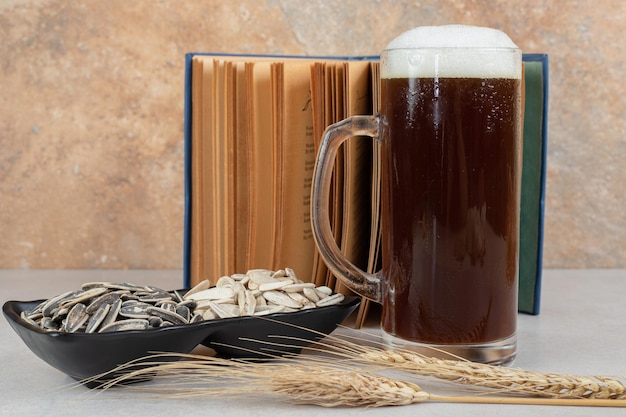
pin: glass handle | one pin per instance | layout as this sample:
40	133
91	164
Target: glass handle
363	283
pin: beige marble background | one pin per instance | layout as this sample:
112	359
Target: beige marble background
91	113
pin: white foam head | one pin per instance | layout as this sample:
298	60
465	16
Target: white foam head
452	51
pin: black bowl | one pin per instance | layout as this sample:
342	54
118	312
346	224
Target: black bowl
83	355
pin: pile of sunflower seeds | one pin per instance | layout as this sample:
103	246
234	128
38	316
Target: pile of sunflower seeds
100	307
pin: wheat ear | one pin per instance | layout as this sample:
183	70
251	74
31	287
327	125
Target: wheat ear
513	380
333	388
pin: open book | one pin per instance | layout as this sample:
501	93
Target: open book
253	125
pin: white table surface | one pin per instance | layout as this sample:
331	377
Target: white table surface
580	330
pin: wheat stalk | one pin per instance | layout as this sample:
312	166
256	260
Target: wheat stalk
345	371
305	380
460	371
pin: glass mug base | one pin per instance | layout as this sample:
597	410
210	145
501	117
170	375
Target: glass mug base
500	352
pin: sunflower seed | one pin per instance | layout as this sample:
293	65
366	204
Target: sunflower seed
191	304
108	298
125	325
114	311
299	298
166	315
184	312
330	300
124	286
311	294
292	274
266	310
298	287
49	324
225	281
97	318
177	297
213	293
249	305
168	305
280	299
260	276
323	290
155	321
279	274
202	285
135	311
83	296
197	318
209	315
268	286
30	321
34	316
60	314
241	278
154	297
221	311
238	277
54	303
76	318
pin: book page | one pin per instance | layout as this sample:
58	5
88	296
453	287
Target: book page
277	99
356	226
227	155
295	146
334	113
261	251
197	214
318	104
219	166
252	175
374	257
208	132
375	261
242	155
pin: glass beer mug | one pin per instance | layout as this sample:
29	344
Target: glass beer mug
450	131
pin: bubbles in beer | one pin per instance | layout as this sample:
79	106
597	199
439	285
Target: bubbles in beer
452	51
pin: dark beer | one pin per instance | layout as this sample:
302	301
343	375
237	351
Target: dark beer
451	169
450	129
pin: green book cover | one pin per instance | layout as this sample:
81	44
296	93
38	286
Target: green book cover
533	182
